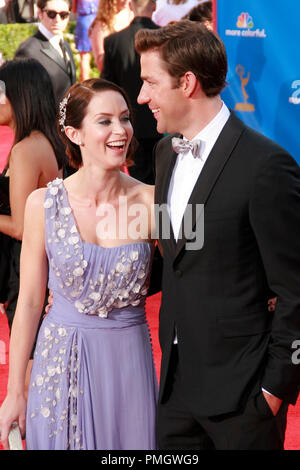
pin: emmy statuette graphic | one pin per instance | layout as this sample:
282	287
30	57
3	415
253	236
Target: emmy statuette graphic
245	106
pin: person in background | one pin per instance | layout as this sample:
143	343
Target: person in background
27	106
48	46
227	371
112	15
122	66
93	382
12	10
86	12
3	18
202	12
168	11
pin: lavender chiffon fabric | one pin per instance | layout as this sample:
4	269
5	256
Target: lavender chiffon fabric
93	382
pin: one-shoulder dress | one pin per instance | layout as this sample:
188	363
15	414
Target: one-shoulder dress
93	382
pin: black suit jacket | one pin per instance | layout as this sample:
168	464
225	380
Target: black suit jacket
38	47
122	66
229	344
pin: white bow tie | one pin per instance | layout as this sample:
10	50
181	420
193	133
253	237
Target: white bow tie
184	146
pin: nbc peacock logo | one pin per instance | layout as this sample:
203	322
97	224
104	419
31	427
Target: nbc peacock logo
245	21
245	29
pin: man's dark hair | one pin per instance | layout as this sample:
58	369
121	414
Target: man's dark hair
42	3
188	46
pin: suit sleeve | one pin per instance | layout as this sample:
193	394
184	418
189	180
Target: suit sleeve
275	218
22	53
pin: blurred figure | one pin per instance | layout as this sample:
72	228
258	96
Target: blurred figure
12	11
27	106
122	66
86	12
168	11
3	18
203	13
112	16
48	46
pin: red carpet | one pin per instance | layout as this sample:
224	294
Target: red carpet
292	441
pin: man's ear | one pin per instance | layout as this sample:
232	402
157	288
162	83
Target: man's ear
189	83
73	135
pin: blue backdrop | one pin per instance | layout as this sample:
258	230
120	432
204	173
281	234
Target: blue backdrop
262	40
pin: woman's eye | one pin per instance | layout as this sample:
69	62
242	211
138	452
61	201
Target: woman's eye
105	122
125	118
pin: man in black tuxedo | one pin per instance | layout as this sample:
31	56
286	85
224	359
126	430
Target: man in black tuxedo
122	66
227	373
48	46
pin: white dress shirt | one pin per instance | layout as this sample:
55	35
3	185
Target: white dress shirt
188	168
52	38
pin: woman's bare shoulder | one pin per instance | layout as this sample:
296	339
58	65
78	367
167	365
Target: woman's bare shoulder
34	210
36	199
140	190
148	192
97	27
31	147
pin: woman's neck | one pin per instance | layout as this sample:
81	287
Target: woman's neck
94	185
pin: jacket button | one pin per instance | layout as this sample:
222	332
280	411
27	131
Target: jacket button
178	273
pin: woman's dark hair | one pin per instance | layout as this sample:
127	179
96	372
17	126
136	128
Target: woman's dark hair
29	90
78	98
201	12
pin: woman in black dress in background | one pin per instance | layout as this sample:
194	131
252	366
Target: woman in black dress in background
27	106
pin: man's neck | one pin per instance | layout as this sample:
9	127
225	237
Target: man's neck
143	13
48	34
201	114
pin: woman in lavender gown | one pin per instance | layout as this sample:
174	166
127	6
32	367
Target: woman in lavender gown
93	382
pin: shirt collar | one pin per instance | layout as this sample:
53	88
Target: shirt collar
55	38
209	133
212	130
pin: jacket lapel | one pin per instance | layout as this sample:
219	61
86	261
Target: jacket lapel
50	51
212	169
72	63
161	200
